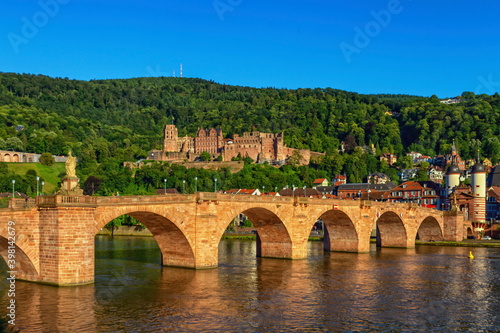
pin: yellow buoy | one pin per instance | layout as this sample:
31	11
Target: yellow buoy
471	256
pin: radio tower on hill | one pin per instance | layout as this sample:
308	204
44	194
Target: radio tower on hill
181	71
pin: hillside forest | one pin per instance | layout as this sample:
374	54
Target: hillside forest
107	122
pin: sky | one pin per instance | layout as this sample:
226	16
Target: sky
417	47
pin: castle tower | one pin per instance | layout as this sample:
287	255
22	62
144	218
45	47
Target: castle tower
478	183
171	139
279	147
452	178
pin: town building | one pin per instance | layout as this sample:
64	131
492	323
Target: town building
243	191
166	191
391	159
301	192
407	174
320	182
338	180
493	205
424	193
494	177
414	156
327	191
364	191
378	178
453	157
435	174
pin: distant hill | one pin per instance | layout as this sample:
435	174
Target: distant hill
124	119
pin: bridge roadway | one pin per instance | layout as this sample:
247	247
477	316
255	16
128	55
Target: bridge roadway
55	235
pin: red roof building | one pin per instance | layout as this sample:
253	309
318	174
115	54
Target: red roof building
320	182
424	193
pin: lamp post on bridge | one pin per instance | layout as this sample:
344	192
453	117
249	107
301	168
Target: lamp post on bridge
37	181
43	183
293	191
195	184
304	188
183	186
13	187
164	186
215	185
368	193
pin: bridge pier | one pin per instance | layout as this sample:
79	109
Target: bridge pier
281	249
275	240
454	226
66	240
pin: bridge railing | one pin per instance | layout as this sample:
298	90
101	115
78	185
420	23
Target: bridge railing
145	199
65	200
209	196
21	203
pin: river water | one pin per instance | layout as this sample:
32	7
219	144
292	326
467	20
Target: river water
426	289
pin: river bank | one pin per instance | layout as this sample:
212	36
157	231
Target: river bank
494	243
250	234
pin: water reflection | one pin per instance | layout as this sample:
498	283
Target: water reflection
427	289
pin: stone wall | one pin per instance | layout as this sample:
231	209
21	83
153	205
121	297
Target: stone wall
234	166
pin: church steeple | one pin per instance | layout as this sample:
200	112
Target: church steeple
454	151
452	177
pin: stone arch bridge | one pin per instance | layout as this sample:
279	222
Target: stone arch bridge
54	235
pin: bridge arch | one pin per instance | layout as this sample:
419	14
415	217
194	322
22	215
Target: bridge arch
273	236
391	231
175	247
340	232
430	230
24	267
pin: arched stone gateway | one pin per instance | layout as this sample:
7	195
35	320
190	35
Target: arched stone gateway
391	231
340	232
430	230
55	235
273	238
23	267
175	248
470	233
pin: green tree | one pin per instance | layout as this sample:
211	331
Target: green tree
423	171
47	159
205	156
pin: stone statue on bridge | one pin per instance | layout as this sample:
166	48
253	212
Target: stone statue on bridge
70	182
70	165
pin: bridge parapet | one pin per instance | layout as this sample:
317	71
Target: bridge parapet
335	202
21	203
50	201
210	196
144	199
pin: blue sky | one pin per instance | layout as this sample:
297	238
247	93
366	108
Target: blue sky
392	46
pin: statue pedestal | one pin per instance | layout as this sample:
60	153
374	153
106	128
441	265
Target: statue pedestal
70	186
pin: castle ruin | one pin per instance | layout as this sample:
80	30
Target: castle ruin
261	147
